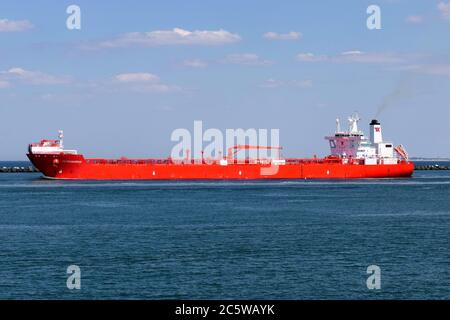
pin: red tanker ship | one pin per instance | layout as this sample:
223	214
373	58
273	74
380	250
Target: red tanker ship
352	156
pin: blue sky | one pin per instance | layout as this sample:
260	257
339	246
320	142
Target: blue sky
138	70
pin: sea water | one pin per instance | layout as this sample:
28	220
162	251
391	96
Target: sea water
289	239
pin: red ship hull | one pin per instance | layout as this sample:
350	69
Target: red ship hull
75	166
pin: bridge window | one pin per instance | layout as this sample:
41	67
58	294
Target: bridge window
332	144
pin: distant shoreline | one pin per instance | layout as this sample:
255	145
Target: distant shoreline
428	159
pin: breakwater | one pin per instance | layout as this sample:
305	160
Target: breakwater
431	167
18	169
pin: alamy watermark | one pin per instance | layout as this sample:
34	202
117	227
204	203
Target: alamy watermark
373	22
73	21
74	279
212	146
374	280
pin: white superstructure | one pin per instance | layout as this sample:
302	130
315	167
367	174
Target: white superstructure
50	146
352	144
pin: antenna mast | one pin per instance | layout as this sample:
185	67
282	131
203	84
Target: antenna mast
61	138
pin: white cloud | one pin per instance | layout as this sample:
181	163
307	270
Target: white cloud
14	25
195	63
272	83
362	57
156	88
293	35
414	19
176	36
31	77
354	56
246	59
352	53
444	9
309	57
136	77
144	82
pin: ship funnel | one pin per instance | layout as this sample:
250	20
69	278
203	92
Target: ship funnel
375	131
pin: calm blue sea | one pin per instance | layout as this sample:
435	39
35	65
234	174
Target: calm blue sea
225	240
